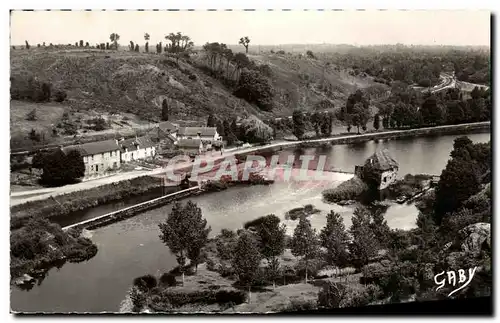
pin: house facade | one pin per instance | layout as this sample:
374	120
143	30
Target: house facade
191	146
384	168
137	148
203	133
98	157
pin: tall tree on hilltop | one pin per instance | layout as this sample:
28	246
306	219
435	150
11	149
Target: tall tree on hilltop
245	41
305	243
164	110
146	46
364	244
184	233
131	46
335	240
114	37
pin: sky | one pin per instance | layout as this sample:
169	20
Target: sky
424	27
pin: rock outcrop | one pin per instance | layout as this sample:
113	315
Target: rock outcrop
474	237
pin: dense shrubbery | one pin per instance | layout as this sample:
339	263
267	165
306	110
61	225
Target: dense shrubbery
40	244
348	190
29	88
255	88
337	295
61	168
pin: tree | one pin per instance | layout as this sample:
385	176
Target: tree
136	48
33	135
211	120
87	45
431	112
245	41
46	91
27	44
131	46
360	116
376	121
335	240
164	110
31	116
316	121
305	242
364	244
254	130
107	45
198	235
271	239
114	37
61	168
81	43
380	228
185	233
246	258
38	160
255	88
146	46
299	124
458	181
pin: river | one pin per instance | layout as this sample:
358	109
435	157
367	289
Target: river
132	248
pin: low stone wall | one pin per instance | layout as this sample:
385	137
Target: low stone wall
130	211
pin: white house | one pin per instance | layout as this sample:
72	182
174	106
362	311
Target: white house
137	148
99	156
203	133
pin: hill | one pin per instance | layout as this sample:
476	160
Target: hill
133	85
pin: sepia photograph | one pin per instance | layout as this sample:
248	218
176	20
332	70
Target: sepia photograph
250	161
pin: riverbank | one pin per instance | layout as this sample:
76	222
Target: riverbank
81	200
337	140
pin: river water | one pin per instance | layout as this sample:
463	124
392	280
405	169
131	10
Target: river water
132	248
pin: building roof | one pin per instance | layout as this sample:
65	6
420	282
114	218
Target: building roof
142	142
189	143
382	160
194	131
168	126
93	148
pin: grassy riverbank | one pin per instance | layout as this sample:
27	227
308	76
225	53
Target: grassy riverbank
80	200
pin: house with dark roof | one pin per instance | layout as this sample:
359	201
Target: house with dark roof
203	133
383	167
191	146
137	148
165	133
99	156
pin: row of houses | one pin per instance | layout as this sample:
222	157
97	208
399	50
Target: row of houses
103	156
